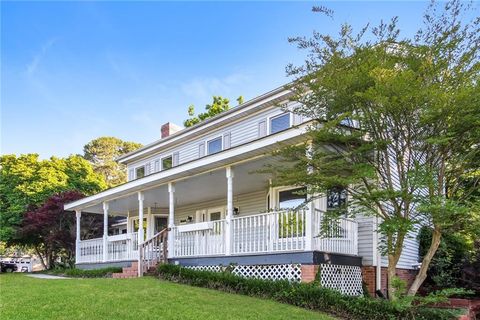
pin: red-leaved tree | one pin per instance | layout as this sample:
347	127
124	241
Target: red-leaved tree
51	232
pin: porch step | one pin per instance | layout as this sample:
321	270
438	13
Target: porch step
127	272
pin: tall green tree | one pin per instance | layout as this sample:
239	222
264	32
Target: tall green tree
394	119
103	151
218	105
26	181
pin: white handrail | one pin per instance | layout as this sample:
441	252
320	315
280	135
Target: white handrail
152	251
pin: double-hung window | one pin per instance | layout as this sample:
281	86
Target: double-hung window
140	172
214	145
167	163
279	123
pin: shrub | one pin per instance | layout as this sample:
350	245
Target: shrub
309	296
79	273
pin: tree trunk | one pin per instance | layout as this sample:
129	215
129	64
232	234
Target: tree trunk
391	273
40	256
427	259
392	264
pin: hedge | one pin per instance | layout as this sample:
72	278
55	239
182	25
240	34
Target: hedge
79	273
309	296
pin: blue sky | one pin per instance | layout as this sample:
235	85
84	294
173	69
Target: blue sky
74	71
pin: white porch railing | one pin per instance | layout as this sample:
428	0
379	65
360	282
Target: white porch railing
90	250
339	236
199	239
269	232
120	247
280	231
123	247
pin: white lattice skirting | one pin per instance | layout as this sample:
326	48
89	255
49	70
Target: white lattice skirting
291	272
346	279
207	268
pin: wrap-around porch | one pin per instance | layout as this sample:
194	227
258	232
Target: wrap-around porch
232	210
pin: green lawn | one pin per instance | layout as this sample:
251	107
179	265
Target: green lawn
22	297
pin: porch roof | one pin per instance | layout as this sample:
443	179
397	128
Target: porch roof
158	181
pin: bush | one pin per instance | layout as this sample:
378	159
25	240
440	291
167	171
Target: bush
79	273
309	296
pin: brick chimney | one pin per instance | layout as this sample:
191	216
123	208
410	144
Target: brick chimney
169	129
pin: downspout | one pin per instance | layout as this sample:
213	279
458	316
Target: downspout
378	257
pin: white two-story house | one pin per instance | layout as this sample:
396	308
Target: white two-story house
196	198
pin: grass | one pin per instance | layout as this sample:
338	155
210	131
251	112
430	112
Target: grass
23	297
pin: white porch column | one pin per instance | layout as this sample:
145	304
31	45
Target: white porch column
171	219
309	210
129	224
149	223
141	237
78	214
105	231
229	216
309	226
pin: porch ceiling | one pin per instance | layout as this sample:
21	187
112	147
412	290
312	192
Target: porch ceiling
203	187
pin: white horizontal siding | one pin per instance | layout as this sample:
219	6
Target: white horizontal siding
248	203
242	131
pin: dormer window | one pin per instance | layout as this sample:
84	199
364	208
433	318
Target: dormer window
140	172
279	123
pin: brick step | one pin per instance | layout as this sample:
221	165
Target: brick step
123	276
127	272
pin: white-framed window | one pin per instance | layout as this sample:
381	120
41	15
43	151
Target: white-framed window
214	145
139	172
290	197
211	214
167	162
280	122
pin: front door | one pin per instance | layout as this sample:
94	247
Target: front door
160	224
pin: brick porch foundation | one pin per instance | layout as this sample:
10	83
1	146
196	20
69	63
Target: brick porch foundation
309	272
369	277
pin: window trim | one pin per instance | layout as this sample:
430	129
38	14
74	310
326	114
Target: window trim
269	122
220	137
161	161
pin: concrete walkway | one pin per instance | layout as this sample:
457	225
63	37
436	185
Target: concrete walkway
45	276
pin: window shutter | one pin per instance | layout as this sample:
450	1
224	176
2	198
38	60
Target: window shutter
226	140
297	119
147	168
175	159
201	150
262	128
130	175
157	166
